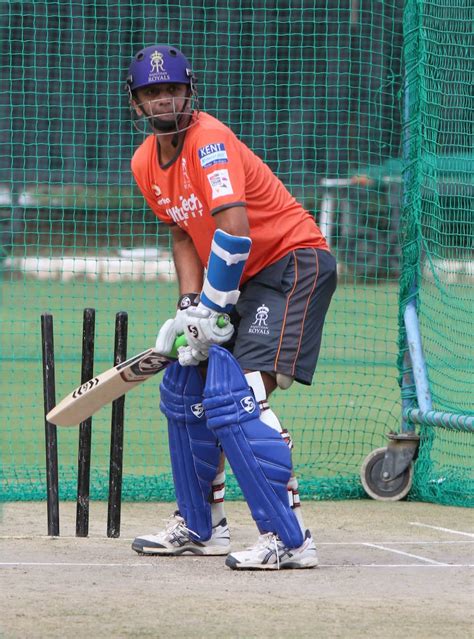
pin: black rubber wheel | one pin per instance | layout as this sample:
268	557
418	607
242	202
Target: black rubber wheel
375	487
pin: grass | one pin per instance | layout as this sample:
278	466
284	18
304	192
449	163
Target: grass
353	402
335	422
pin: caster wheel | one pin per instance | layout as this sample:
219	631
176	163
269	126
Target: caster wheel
375	487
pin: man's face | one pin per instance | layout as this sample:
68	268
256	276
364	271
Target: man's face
164	101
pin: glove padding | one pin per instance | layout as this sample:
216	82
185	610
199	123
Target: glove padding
189	356
169	332
201	328
171	329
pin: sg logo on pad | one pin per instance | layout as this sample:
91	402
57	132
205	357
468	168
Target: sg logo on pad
248	403
197	410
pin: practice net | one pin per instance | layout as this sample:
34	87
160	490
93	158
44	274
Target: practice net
316	90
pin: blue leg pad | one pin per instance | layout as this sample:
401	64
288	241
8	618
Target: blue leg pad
194	449
258	455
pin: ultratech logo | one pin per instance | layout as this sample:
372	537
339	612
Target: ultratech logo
190	206
259	325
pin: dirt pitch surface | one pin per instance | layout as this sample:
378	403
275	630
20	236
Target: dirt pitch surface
386	570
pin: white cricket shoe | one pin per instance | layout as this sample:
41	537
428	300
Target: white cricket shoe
270	553
176	539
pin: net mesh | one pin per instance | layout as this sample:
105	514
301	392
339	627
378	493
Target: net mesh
316	92
437	230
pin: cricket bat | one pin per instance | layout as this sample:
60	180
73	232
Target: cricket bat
88	398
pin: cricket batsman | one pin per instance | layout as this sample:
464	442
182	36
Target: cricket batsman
244	249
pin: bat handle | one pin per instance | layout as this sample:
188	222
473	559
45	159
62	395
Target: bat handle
222	321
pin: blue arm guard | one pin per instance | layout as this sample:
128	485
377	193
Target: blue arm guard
227	259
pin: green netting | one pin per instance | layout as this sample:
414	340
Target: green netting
314	89
437	233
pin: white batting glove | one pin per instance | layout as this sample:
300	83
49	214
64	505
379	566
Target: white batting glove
189	356
175	326
202	329
166	337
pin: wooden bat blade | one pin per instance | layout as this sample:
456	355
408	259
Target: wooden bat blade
88	398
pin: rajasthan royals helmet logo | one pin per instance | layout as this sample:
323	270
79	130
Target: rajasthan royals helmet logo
157	62
248	403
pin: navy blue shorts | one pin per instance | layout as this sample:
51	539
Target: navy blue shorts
280	314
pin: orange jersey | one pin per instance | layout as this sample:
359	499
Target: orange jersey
213	172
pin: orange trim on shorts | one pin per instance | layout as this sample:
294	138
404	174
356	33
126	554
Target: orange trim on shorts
286	311
306	312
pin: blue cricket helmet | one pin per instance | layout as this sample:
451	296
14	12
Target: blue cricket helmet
158	64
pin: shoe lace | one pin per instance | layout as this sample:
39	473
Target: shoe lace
176	522
269	540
